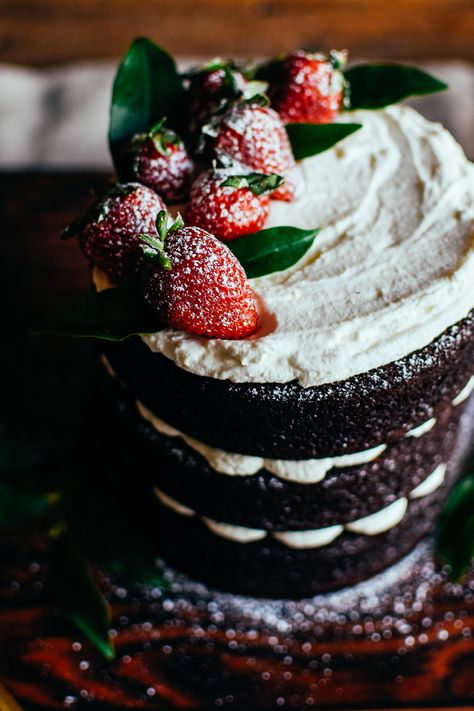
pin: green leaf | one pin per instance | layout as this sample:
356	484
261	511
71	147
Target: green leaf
272	250
74	589
147	87
455	539
19	507
373	86
257	183
111	315
308	139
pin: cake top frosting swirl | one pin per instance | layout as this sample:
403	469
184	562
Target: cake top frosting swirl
391	269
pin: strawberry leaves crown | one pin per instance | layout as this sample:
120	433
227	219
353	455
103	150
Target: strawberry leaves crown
226	108
154	247
235	175
257	183
161	136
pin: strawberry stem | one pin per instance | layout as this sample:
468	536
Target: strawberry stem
154	247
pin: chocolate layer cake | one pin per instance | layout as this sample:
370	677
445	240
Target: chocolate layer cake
315	452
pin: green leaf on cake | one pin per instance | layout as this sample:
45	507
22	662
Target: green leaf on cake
147	88
455	540
111	315
74	589
373	86
309	139
272	250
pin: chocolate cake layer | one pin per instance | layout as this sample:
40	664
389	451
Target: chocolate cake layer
265	501
286	421
271	569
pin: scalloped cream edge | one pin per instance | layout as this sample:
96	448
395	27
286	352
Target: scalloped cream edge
372	525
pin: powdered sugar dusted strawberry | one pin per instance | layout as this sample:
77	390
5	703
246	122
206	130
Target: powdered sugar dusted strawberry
230	205
210	88
197	285
255	137
159	159
109	231
307	87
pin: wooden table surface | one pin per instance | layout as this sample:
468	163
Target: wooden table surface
39	32
186	648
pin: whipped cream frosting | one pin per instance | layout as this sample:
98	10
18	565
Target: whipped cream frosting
391	269
372	525
305	471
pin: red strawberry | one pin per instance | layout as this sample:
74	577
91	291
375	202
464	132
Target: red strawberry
230	205
109	231
307	88
255	137
158	159
210	89
196	283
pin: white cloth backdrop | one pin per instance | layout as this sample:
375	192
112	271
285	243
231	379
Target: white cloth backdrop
57	118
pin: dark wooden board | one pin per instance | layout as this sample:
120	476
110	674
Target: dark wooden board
187	648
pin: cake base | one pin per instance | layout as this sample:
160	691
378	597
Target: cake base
269	568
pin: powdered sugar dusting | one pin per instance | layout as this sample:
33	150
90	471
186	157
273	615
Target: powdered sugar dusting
168	172
392	596
255	137
109	234
226	212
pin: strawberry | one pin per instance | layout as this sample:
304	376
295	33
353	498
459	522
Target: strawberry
254	136
158	159
230	205
210	89
195	283
307	88
108	232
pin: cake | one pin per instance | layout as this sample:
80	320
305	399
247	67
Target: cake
316	448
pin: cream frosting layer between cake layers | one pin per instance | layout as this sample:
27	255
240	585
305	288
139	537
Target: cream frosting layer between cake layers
391	269
372	525
305	471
